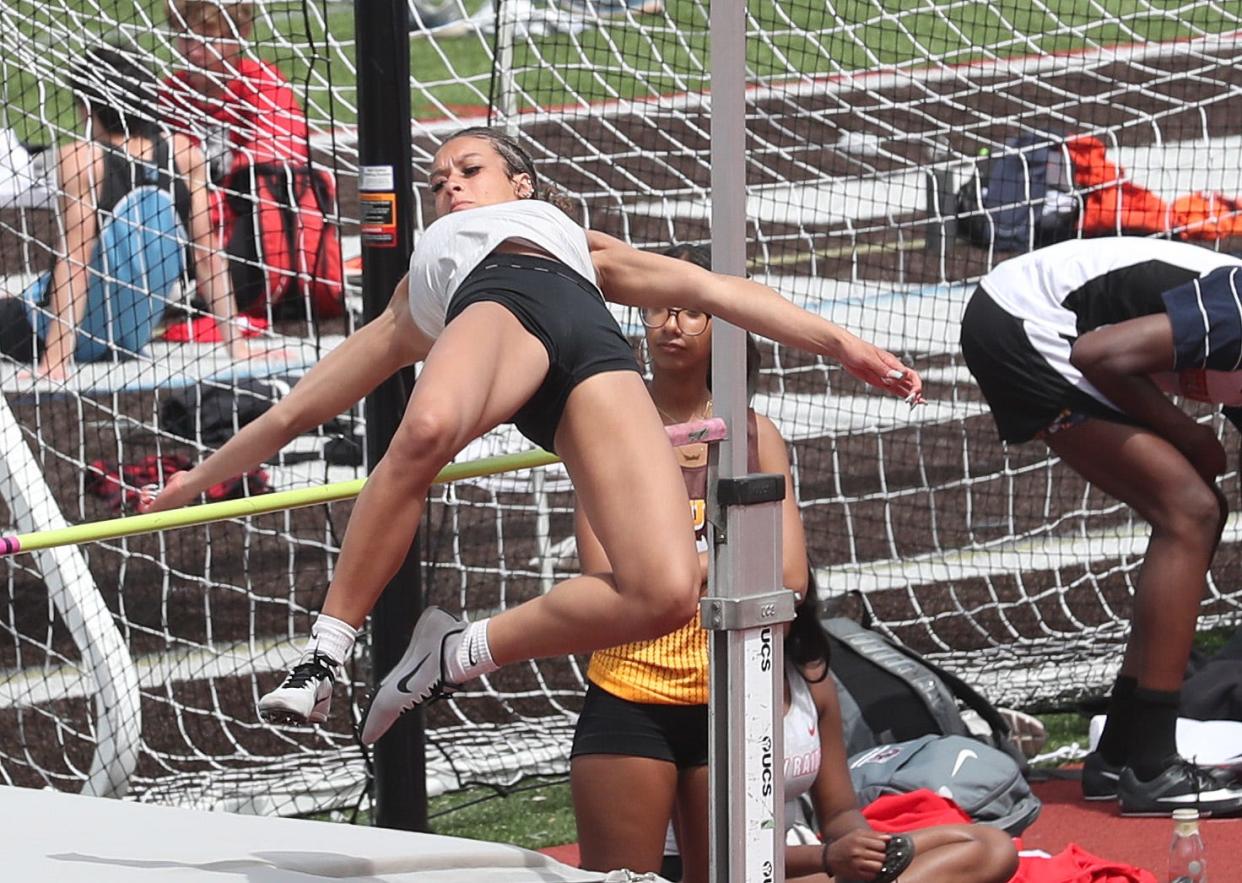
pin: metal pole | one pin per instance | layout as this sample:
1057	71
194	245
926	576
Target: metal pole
745	602
506	31
386	199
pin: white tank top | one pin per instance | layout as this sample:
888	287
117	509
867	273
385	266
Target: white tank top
802	750
802	742
456	243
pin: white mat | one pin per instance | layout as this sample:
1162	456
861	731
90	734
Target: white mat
66	838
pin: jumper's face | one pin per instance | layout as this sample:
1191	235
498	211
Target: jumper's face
467	172
678	339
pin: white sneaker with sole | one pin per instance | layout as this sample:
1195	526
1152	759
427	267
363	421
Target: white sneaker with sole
304	696
419	675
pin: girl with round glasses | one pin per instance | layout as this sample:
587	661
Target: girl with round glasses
643	724
690	322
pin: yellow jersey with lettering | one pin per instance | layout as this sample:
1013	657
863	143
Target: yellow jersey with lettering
670	670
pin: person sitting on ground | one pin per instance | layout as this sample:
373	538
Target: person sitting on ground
128	196
835	842
273	206
643	725
505	306
1067	344
816	764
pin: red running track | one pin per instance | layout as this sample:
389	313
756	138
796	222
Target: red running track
1098	828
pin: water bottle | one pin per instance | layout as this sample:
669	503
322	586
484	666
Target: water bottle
1187	859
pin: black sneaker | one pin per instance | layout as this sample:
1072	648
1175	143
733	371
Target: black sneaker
1099	778
1182	784
419	675
304	696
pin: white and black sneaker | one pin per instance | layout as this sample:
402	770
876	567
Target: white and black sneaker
419	675
304	696
1099	778
1182	785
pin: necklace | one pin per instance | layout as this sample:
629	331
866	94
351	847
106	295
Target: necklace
688	453
670	420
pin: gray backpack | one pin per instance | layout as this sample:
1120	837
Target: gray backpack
889	693
986	783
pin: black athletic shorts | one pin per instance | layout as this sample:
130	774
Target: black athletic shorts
17	335
609	724
568	316
1026	395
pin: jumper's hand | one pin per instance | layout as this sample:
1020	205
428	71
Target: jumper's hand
174	495
881	369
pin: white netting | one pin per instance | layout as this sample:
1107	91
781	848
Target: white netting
156	648
861	126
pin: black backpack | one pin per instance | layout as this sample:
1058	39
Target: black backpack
891	694
1213	690
1029	183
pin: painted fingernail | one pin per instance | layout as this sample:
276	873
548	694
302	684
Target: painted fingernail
896	375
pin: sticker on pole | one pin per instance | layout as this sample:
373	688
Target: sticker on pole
761	754
377	179
378	224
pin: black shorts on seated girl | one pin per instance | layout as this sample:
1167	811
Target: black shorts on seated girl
1022	321
455	265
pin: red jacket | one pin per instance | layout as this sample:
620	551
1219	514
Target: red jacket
260	111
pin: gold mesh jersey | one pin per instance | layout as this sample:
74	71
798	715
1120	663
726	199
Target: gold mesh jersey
671	670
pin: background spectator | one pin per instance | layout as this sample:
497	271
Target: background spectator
128	197
272	205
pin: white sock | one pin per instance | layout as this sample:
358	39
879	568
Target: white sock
331	637
473	656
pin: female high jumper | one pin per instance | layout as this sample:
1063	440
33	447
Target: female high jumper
505	306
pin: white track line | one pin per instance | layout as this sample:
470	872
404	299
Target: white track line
1026	555
35	686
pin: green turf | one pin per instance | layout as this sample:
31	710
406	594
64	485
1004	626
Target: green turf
536	813
1210	641
804	37
1064	729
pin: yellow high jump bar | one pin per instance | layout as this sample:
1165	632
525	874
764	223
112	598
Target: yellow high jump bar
707	431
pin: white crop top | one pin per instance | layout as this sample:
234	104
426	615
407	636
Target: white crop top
802	740
456	243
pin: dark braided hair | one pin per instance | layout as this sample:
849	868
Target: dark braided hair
517	162
118	92
807	642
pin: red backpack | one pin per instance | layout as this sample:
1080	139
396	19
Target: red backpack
280	242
